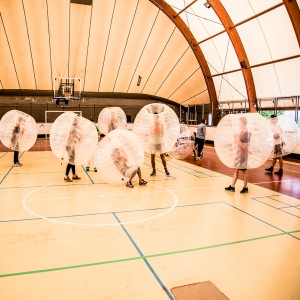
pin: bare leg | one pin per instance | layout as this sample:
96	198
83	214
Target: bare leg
274	162
153	161
235	177
163	160
280	162
245	173
139	173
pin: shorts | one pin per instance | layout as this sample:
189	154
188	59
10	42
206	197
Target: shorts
278	150
240	163
156	148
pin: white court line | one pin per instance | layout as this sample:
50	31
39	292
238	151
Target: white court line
110	195
99	224
82	197
275	181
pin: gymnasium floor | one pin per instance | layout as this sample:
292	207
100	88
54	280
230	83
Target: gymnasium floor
91	240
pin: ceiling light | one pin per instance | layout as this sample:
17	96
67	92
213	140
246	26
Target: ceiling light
207	4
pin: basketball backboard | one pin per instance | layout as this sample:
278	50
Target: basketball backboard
67	89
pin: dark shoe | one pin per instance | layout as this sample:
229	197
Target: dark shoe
269	169
143	182
230	189
68	179
75	177
129	184
87	169
19	163
167	172
153	173
279	172
95	170
244	190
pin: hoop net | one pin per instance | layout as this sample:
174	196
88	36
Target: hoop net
67	95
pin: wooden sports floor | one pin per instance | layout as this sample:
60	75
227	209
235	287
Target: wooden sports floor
91	240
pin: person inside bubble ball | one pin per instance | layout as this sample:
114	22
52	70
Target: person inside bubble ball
157	132
75	137
278	146
17	134
92	119
120	160
112	123
242	140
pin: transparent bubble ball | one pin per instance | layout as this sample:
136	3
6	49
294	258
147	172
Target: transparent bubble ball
118	154
111	118
228	134
27	135
157	127
289	137
73	138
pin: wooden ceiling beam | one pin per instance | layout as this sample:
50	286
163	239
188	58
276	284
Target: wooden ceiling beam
240	51
180	24
294	13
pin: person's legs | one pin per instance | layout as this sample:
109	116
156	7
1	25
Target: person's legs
280	171
245	188
200	147
16	157
75	176
87	168
231	188
141	180
67	178
270	169
153	165
164	162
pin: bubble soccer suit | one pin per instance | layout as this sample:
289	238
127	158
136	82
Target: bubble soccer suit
157	127
73	139
18	132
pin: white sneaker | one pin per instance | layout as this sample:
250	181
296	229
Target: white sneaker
16	165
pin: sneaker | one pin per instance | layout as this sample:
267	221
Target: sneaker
16	165
166	171
153	173
87	169
230	189
75	177
19	163
143	182
68	179
244	190
129	184
279	172
269	169
95	170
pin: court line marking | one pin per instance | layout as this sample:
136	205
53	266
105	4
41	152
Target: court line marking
3	154
106	213
277	208
119	194
10	170
144	259
72	184
260	220
287	180
147	256
99	224
87	174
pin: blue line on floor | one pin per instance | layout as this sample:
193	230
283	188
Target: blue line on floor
278	208
261	220
145	260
